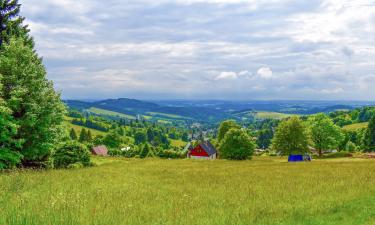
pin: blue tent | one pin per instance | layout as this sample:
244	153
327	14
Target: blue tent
299	158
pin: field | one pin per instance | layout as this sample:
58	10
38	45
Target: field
153	191
355	126
178	143
272	115
110	113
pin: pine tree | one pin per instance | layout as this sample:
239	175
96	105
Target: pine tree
89	136
11	24
83	136
73	134
145	151
34	106
370	136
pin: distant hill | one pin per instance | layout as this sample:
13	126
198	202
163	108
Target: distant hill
132	107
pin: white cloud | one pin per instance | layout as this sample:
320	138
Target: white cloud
265	73
227	76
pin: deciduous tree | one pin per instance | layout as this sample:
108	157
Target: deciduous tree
291	137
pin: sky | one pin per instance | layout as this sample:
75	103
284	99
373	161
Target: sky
207	49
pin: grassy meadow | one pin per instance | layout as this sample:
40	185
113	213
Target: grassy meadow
264	190
355	126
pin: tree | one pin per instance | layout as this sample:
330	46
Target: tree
73	134
83	136
185	137
35	107
236	145
369	137
225	126
11	24
140	137
324	133
112	139
70	154
291	137
145	151
8	158
264	138
88	136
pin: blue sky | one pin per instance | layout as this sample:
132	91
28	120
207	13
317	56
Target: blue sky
207	49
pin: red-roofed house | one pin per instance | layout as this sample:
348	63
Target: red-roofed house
204	150
100	150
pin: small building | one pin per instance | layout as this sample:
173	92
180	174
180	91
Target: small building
100	150
204	150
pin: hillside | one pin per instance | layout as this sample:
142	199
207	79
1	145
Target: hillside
130	108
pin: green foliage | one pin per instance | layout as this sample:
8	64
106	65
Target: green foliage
11	24
112	139
145	151
140	137
73	134
236	145
291	137
172	154
225	126
324	133
350	147
264	138
369	138
35	108
71	153
83	136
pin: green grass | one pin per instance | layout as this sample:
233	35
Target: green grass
110	113
265	190
355	126
165	115
78	129
272	115
178	143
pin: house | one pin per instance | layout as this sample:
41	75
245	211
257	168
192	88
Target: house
100	150
204	150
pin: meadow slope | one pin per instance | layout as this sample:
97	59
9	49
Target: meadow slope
154	191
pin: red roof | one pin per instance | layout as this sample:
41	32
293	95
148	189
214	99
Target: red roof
100	150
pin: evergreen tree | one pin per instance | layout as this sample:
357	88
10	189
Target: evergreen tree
370	136
89	136
34	106
73	134
11	24
83	136
145	151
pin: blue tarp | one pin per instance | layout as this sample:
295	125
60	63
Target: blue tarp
299	158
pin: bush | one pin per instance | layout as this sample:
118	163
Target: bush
337	155
171	154
236	145
70	154
9	159
350	147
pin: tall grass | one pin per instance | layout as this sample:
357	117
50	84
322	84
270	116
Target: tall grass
261	191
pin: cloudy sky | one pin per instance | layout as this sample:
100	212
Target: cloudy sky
207	49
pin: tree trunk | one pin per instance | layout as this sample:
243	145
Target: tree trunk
320	152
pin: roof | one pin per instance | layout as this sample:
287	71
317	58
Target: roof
100	150
208	147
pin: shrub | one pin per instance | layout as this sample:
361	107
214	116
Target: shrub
71	153
236	145
350	147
